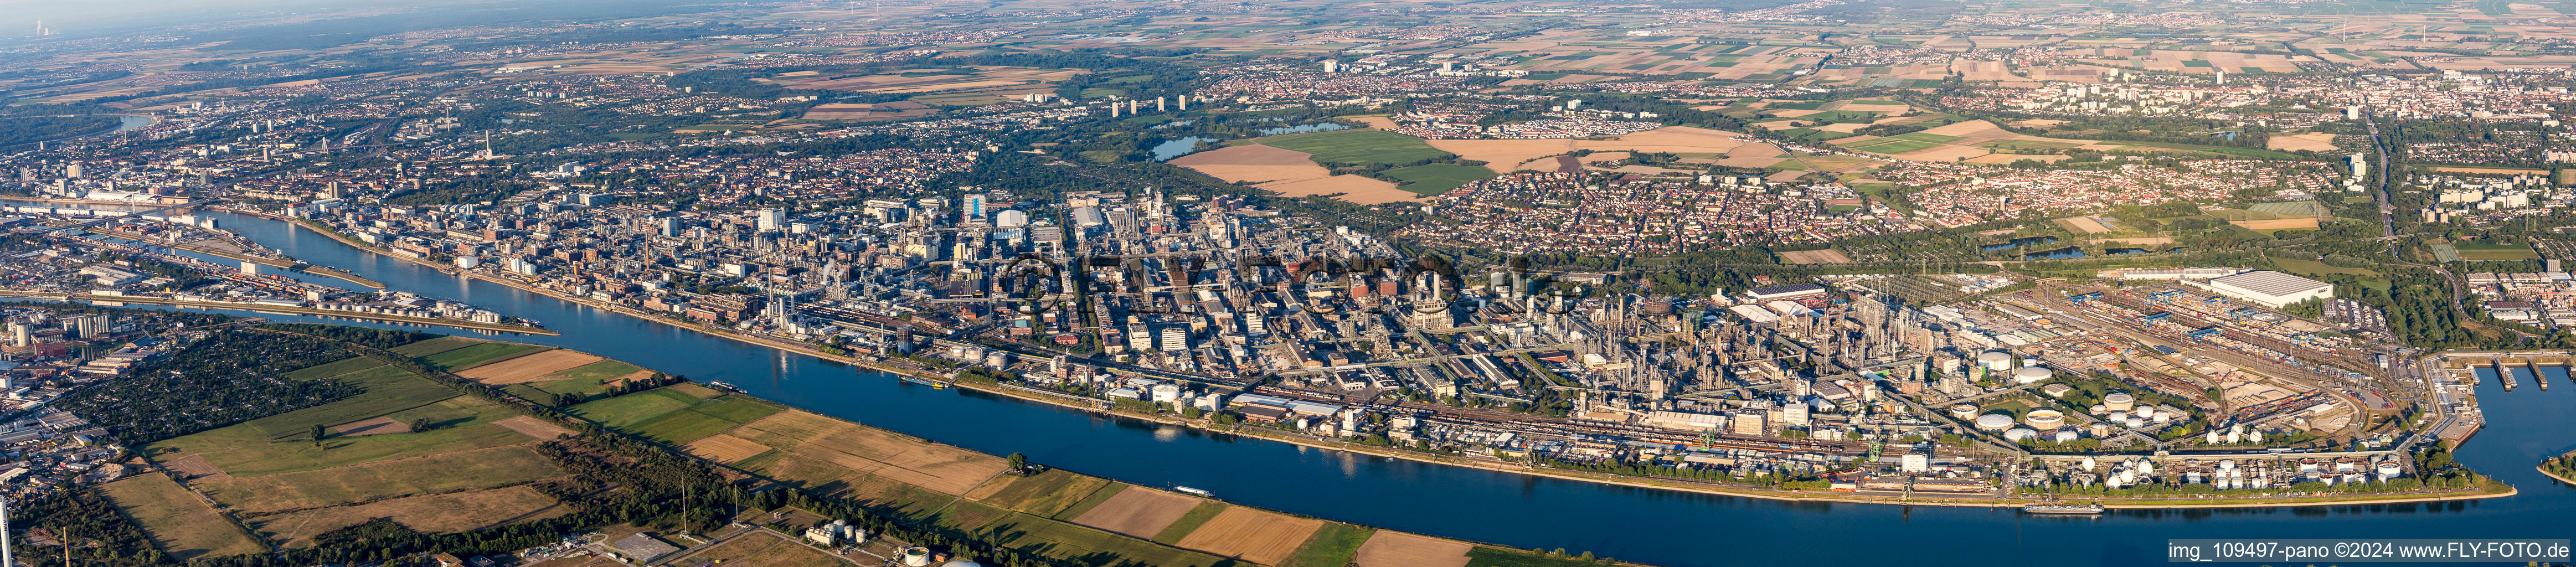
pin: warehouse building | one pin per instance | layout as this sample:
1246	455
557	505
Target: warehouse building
2270	289
1786	292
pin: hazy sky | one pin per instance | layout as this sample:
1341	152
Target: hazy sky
70	15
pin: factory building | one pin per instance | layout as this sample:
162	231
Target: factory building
2270	289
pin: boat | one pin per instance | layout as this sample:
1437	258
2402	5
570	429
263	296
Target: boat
727	387
1193	491
2063	508
925	381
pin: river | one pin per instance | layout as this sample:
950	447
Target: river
1635	524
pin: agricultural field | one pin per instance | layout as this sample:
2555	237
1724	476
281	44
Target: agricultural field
1139	512
763	551
1505	156
979	79
404	446
451	512
1438	178
442	472
1356	145
1290	173
435	346
528	368
1047	493
672	415
179	524
283	443
1252	535
2495	252
468	357
1396	549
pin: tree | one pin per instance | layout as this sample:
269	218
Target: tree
1018	461
317	433
419	424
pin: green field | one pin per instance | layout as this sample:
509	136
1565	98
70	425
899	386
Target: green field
2489	252
1927	137
1357	146
434	346
2029	145
1332	546
631	409
1893	146
443	472
477	355
282	443
669	416
334	369
704	419
597	371
1437	178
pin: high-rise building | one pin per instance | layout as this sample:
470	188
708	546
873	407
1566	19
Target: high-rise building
974	205
1332	66
771	219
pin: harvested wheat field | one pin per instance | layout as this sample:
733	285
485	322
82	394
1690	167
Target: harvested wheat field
1826	256
2277	224
1254	163
726	448
436	513
1506	156
942	468
2312	141
1944	153
1138	511
534	427
1393	549
377	426
528	368
1251	535
1353	188
1992	159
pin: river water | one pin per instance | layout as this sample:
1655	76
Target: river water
1635	524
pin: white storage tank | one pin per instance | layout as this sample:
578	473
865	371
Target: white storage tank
1994	421
1995	361
2031	374
2120	401
2044	419
2018	434
1964	411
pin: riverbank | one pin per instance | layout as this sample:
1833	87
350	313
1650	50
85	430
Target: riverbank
1092	406
2543	467
970	491
220	253
112	300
